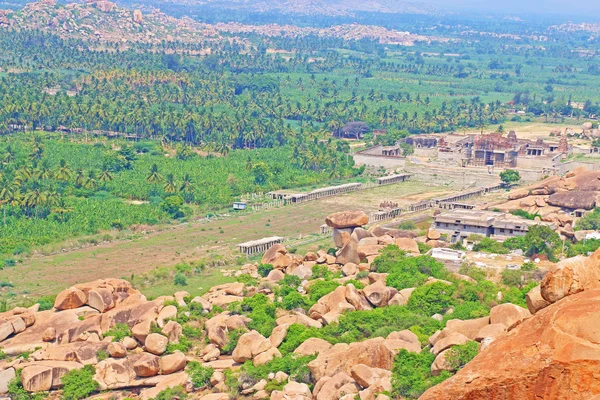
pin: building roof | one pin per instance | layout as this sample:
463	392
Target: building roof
488	219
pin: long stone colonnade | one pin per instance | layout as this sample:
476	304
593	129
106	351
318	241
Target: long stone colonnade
259	246
389	180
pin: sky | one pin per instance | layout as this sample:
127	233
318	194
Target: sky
565	7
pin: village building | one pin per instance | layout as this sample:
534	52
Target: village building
458	225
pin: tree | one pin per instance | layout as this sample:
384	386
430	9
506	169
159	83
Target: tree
510	176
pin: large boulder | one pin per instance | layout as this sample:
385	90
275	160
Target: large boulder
535	301
408	245
378	294
508	314
347	219
449	340
574	199
552	355
348	253
469	327
156	343
312	346
277	256
342	357
249	345
571	276
147	365
70	298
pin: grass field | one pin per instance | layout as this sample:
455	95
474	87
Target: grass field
194	241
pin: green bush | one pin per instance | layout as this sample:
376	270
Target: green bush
488	245
234	336
291	281
264	269
407	225
294	300
320	288
590	221
199	375
411	374
292	364
261	311
432	298
175	393
118	332
459	356
407	272
180	279
468	310
79	383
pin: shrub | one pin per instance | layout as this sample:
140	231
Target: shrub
320	271
262	313
524	214
102	355
46	302
321	288
472	271
183	346
432	299
294	300
292	281
362	275
264	269
180	279
411	374
407	225
234	336
459	356
199	375
118	332
177	392
468	310
410	272
79	383
590	221
488	245
292	364
423	247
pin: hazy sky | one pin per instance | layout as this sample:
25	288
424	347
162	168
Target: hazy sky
566	7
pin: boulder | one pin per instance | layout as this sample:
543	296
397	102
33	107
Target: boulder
37	378
249	345
371	250
210	353
408	245
342	357
349	269
137	17
302	272
451	339
469	327
405	339
275	275
359	234
401	298
441	364
205	304
5	377
49	334
378	294
312	346
298	318
348	253
180	298
278	335
147	365
156	343
432	234
347	219
571	276
129	343
277	256
168	312
341	236
575	199
367	376
69	299
490	331
266	356
173	331
101	299
535	301
508	314
172	363
117	350
335	387
552	355
518	194
356	298
293	390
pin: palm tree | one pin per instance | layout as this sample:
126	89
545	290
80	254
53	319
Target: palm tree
34	199
79	178
170	186
187	188
106	175
61	209
9	195
63	172
154	176
43	170
91	182
9	155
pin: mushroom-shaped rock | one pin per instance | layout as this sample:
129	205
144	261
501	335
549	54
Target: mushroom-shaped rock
180	298
347	219
156	343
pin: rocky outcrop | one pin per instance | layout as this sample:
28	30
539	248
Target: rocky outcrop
571	276
552	355
347	219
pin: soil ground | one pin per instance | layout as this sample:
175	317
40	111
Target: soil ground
195	241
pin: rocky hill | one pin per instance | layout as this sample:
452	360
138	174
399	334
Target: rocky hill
324	326
104	21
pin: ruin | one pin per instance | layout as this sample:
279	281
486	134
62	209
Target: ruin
458	225
259	246
388	180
